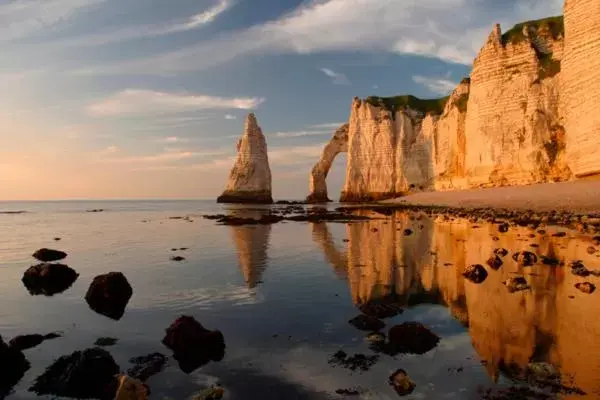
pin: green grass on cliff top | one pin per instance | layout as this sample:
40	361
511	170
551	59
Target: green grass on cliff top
393	104
555	26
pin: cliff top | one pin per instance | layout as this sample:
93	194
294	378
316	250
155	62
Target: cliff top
393	104
553	25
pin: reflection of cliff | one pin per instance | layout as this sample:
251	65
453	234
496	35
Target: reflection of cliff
542	324
251	243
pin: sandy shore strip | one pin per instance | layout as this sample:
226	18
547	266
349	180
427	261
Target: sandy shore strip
578	197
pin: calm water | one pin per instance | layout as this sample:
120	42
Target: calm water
283	294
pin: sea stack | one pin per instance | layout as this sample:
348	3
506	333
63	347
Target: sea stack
250	177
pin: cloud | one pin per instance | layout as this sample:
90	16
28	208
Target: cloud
133	101
107	156
174	139
337	78
22	18
230	116
442	86
415	27
150	30
328	125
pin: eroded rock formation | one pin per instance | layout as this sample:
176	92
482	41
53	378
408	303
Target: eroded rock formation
250	177
317	181
527	114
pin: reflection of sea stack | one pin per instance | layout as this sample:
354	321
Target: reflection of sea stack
251	243
250	177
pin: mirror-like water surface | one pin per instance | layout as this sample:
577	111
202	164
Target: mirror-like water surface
283	294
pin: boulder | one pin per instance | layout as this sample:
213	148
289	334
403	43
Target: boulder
24	342
367	323
401	383
494	262
49	255
516	284
578	269
147	366
48	279
411	337
525	258
109	294
131	389
501	252
250	177
585	287
13	365
475	273
88	374
193	345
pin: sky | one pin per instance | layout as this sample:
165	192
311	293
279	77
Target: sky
146	99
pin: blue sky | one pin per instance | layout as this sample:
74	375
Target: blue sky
140	98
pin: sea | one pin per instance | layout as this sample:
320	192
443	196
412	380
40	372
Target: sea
283	295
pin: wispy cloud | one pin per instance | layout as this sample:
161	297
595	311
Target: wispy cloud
21	18
230	116
442	86
133	101
337	78
328	125
151	30
407	27
113	155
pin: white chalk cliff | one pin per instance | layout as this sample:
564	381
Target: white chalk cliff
250	177
528	113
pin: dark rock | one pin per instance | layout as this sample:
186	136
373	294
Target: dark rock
106	341
367	323
192	344
24	342
401	383
501	252
87	374
546	260
503	228
525	258
356	362
494	262
411	337
147	366
374	230
386	307
348	392
591	250
48	279
184	248
408	232
95	210
109	294
13	365
57	239
586	287
475	273
560	234
49	255
516	284
578	269
177	258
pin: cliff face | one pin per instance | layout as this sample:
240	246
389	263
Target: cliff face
250	177
527	114
580	96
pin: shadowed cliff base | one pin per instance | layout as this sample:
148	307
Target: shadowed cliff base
246	198
578	196
348	197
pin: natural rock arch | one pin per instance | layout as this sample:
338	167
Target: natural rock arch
317	180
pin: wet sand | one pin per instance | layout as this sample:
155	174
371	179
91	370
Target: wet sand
579	196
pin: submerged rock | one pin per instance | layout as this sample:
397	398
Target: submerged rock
48	279
577	268
355	362
516	284
105	341
109	294
24	342
475	273
88	374
551	261
401	383
177	258
49	255
586	287
147	366
494	262
192	344
411	337
501	252
131	389
525	258
386	307
13	365
367	323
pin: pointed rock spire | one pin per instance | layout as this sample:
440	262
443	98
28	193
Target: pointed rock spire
250	177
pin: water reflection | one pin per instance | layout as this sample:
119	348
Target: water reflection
251	242
552	322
